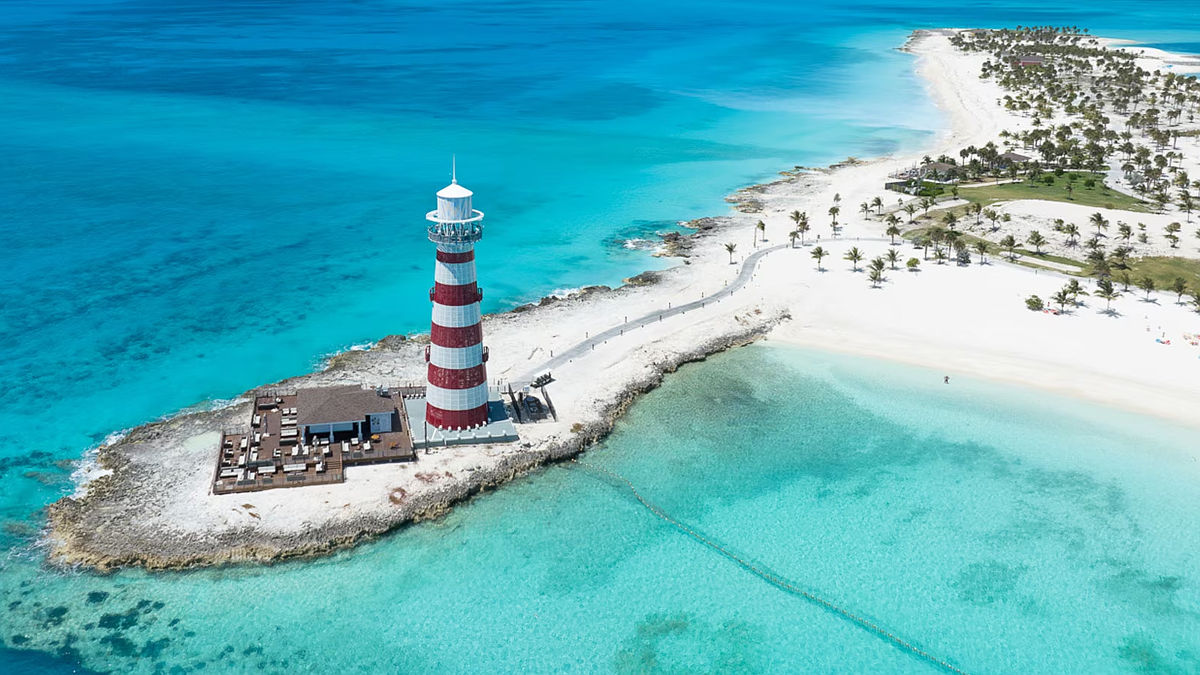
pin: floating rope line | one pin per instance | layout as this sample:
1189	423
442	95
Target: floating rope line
778	582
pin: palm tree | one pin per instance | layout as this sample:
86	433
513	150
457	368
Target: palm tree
834	211
1061	299
939	256
1010	244
976	209
792	238
802	227
950	219
1180	287
865	208
1072	232
893	229
1146	283
731	247
761	228
877	202
892	257
819	253
800	218
1104	289
1037	241
854	256
992	215
876	277
911	209
1125	231
1099	221
1075	290
981	247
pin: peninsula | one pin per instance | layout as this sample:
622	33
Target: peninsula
1048	132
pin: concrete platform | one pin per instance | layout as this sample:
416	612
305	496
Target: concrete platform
499	428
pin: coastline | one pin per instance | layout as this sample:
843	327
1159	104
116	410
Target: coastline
166	520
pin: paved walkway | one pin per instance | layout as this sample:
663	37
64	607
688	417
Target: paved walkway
744	275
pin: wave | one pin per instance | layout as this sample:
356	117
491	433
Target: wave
87	467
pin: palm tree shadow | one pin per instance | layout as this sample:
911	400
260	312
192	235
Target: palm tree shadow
1111	312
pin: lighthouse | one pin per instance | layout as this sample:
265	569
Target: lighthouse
457	395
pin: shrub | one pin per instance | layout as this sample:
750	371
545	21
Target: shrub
1035	303
1048	179
1089	183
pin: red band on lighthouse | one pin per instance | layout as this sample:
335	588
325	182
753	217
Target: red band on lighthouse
453	296
456	337
447	257
455	419
457	378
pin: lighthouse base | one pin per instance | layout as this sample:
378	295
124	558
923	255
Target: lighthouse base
498	429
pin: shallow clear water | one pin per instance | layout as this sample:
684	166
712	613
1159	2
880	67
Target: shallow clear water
161	160
1003	529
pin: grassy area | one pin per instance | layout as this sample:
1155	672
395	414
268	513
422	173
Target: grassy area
1164	271
1100	195
1030	258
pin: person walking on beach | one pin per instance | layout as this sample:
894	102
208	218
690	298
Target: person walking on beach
946	380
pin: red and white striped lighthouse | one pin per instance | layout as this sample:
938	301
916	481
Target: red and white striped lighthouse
457	395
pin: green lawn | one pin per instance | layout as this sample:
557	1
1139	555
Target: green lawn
995	250
1100	196
1164	271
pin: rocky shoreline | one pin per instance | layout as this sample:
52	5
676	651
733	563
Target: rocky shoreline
102	526
84	533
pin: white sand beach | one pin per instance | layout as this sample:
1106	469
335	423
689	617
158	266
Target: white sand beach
959	319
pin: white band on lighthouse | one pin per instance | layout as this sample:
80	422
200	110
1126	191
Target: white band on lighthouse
454	274
456	399
456	316
456	357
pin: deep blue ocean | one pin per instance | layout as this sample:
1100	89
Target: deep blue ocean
199	197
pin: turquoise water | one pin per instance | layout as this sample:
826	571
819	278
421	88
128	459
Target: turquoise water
1003	529
198	197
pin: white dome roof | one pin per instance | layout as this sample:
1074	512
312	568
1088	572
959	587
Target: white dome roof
454	191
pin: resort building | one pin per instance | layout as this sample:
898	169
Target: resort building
1011	158
342	413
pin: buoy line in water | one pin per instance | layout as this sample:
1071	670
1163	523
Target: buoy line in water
779	582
